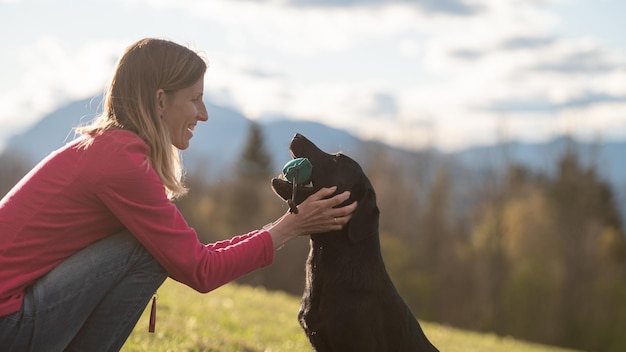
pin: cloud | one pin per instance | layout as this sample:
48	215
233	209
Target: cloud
57	73
542	104
309	28
467	54
384	104
531	76
454	7
582	61
527	42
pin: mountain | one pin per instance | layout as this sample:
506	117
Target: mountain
214	147
607	157
53	130
218	142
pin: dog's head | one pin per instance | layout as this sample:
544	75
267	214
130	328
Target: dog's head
334	170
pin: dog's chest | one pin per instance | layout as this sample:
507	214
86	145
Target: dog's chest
336	266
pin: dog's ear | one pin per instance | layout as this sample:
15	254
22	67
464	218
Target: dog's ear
364	222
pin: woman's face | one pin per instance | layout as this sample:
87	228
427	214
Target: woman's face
181	110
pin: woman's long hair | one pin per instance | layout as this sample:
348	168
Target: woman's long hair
130	101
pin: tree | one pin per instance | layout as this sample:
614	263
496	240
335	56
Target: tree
561	267
586	214
254	163
249	188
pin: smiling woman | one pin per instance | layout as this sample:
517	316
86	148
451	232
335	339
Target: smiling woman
154	79
90	233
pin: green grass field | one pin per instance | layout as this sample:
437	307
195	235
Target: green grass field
244	319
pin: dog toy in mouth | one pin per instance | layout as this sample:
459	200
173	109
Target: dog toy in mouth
298	172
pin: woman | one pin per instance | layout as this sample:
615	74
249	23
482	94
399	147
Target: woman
90	233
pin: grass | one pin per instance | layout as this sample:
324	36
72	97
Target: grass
245	319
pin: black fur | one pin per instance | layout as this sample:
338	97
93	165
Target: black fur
349	302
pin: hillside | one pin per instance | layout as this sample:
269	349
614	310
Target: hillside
241	318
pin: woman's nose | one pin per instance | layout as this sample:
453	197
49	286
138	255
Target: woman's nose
203	114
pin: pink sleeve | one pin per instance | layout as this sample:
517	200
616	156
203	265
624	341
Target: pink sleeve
232	241
135	195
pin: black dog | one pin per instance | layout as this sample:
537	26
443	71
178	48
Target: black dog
349	302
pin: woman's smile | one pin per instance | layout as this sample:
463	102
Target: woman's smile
181	110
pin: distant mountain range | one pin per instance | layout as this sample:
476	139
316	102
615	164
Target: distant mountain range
218	142
215	145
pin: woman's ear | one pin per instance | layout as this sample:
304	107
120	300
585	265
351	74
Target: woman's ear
161	98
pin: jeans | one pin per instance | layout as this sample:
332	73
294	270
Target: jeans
89	302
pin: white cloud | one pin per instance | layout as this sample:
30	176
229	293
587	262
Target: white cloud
409	48
57	73
487	72
303	31
606	120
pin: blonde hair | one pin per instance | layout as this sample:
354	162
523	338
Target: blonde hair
130	101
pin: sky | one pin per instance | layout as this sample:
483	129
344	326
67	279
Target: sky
425	73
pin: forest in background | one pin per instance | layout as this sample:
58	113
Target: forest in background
535	256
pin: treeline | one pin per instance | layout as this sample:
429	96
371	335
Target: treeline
540	257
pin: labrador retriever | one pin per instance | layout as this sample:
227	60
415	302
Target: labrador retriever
349	301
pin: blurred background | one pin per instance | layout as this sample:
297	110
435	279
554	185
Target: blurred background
493	131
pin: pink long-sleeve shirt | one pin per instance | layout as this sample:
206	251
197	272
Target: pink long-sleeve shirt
77	196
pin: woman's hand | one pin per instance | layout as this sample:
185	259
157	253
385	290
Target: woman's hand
315	215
